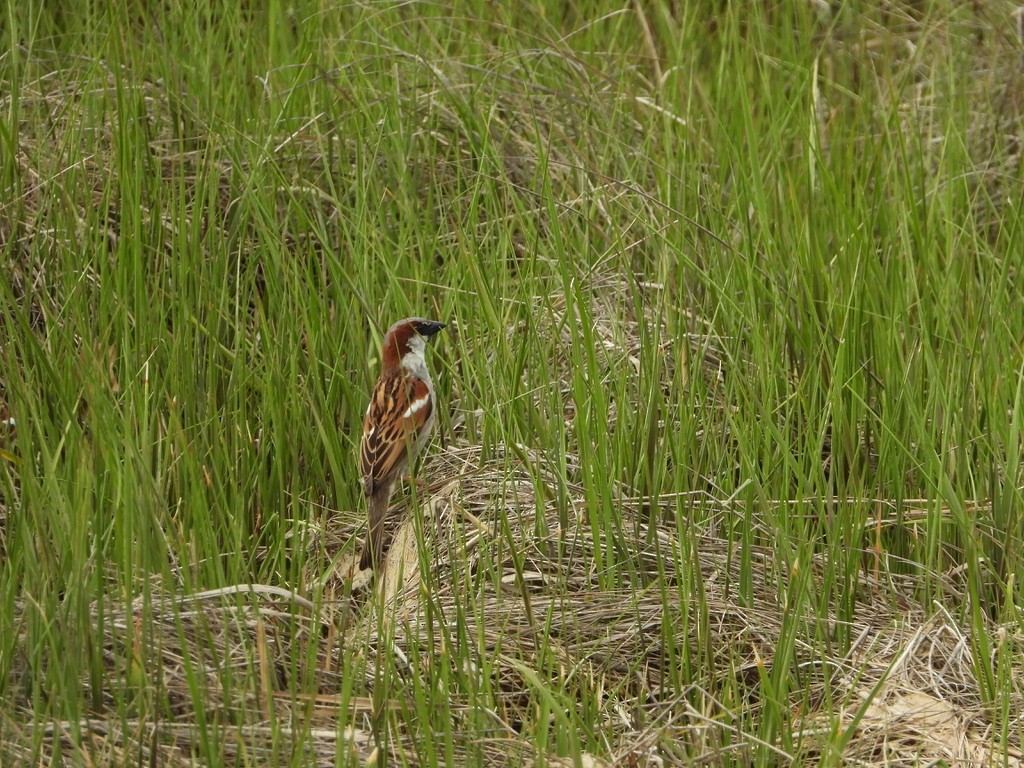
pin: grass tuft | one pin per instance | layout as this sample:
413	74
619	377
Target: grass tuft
728	461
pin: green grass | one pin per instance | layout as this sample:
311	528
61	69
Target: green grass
728	467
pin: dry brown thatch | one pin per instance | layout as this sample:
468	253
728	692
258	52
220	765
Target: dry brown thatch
907	680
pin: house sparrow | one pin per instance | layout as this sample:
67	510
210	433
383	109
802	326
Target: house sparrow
398	423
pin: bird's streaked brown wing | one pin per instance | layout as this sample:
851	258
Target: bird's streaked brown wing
399	408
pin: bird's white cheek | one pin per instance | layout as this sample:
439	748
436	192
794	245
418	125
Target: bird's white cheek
416	365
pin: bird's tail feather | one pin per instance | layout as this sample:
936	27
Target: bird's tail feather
373	548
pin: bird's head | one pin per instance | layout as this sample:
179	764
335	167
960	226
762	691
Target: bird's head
407	337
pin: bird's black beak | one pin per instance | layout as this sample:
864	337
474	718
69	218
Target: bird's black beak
428	328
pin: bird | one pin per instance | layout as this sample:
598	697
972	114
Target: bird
397	425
